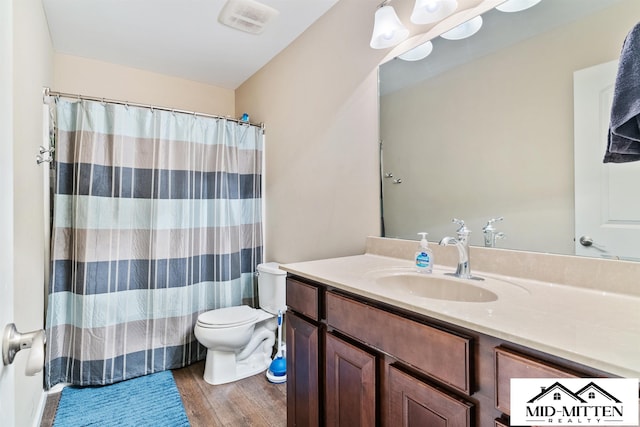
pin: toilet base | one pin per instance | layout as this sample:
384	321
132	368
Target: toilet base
253	355
221	367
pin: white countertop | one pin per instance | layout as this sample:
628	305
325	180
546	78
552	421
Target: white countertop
595	328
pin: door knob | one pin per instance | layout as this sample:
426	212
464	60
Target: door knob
14	341
586	241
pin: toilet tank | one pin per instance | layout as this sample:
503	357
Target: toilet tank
272	283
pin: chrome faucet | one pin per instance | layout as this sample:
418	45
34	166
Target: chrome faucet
462	244
491	234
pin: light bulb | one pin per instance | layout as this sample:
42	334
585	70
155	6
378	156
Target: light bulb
432	6
428	11
464	30
418	52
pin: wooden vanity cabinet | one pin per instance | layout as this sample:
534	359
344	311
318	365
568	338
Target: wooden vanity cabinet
349	364
353	361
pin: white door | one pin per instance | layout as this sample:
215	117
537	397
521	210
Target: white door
607	196
7	389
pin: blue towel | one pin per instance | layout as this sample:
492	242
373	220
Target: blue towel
623	144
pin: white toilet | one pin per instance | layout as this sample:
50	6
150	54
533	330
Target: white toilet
240	339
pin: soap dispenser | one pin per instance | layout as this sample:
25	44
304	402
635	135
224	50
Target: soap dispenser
424	256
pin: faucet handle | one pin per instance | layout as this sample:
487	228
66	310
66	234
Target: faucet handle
489	225
463	228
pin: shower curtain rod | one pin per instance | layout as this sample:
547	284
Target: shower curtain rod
48	92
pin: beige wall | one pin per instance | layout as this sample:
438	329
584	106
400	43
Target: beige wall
73	74
495	138
32	69
318	99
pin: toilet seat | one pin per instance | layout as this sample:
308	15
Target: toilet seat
228	317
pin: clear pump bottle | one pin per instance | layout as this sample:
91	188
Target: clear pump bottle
424	256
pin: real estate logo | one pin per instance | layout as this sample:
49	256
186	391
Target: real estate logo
574	401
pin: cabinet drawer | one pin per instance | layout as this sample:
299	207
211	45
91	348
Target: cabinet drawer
510	364
440	354
302	298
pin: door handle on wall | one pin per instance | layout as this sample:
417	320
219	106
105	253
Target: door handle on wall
13	341
586	241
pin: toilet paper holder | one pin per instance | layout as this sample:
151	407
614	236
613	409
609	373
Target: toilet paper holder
14	341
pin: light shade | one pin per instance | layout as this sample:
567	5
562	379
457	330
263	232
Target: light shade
516	5
388	31
464	30
428	11
418	52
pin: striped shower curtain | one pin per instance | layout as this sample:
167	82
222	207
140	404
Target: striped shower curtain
157	218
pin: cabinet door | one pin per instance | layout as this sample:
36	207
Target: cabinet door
302	372
350	385
413	403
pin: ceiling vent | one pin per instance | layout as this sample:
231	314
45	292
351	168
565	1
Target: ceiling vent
247	15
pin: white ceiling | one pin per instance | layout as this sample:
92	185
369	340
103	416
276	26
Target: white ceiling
180	38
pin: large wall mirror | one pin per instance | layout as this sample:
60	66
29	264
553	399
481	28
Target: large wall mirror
484	127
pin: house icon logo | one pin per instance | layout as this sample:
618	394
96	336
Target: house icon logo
579	401
590	393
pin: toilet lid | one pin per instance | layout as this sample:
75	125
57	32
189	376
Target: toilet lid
228	317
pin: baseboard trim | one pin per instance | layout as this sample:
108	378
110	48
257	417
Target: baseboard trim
37	421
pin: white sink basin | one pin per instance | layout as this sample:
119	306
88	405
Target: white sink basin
434	286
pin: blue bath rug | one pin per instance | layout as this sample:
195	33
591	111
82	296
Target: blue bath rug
152	400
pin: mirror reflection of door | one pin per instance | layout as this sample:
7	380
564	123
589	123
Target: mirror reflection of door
607	197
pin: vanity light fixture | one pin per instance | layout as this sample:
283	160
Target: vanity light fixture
428	11
417	53
464	30
388	31
516	5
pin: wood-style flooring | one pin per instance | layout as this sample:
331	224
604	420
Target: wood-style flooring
251	402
